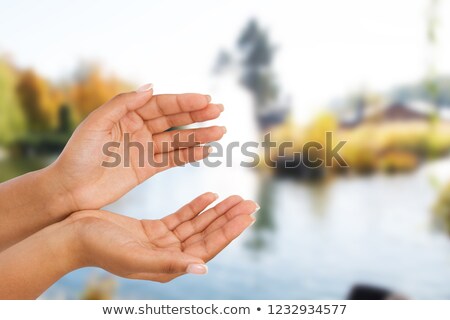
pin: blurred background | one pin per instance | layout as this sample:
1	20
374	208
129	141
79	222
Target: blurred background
375	73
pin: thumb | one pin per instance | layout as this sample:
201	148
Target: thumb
168	262
113	110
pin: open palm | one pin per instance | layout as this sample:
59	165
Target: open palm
94	178
161	250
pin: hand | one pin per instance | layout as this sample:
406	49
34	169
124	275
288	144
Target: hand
158	250
161	250
145	117
77	180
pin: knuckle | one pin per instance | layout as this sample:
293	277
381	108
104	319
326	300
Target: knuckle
218	131
170	267
236	198
121	97
118	97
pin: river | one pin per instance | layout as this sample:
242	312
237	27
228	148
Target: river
310	241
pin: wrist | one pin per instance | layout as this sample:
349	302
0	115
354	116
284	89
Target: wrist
67	247
79	226
58	198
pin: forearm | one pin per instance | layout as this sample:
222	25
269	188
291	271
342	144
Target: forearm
29	203
31	266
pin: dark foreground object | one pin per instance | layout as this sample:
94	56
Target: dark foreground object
368	292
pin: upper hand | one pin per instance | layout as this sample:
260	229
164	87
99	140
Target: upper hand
145	117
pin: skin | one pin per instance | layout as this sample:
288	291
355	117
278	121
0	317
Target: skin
156	250
78	181
50	219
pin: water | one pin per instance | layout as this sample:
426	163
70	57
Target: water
310	241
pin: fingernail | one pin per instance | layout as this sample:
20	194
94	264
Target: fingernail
253	222
209	150
224	130
221	107
208	97
197	269
253	214
145	87
216	195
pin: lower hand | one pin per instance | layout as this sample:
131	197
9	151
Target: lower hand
161	250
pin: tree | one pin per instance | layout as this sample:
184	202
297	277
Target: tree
65	121
255	56
39	100
92	89
12	120
432	24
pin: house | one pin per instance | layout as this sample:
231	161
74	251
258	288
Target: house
403	112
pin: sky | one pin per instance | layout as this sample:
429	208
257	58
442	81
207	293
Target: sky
325	48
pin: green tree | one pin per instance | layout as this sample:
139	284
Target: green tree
432	25
254	65
12	120
257	75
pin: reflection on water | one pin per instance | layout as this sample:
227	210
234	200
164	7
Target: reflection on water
264	227
310	241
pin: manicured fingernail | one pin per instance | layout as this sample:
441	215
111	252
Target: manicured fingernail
197	269
224	130
221	107
216	195
208	97
145	87
253	214
209	150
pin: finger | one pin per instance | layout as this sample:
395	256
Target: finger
167	104
246	207
165	262
158	277
112	111
189	210
176	139
216	241
161	124
199	223
167	160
